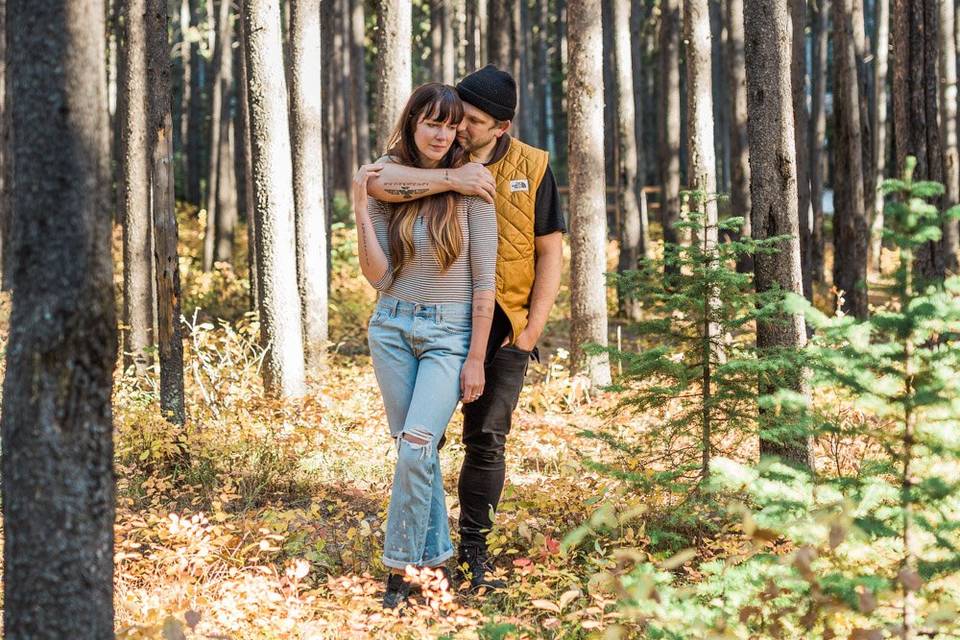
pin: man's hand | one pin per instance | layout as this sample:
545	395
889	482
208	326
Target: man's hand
473	179
526	340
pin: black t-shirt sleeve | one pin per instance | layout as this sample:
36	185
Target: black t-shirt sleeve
547	215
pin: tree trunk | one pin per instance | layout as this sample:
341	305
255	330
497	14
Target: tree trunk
948	119
346	127
670	119
560	92
879	127
449	44
436	40
225	194
818	131
163	214
641	75
541	77
739	156
499	34
134	188
914	90
773	187
588	228
472	51
358	78
306	110
220	52
244	151
281	331
393	66
798	75
6	248
195	115
721	101
850	227
518	53
702	160
633	230
57	424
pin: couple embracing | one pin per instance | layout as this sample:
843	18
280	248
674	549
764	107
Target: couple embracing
460	231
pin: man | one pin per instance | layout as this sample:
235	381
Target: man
517	179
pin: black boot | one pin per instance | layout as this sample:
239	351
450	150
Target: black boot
398	590
473	565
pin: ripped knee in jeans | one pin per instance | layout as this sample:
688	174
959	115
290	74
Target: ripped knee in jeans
417	438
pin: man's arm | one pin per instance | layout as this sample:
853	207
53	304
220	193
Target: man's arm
399	183
546	284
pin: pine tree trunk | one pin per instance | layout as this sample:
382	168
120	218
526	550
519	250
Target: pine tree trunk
948	119
225	200
540	76
245	152
358	78
449	43
393	66
740	160
633	232
850	227
721	101
518	54
163	214
702	160
499	34
436	40
134	192
914	90
217	93
798	74
773	185
818	130
588	236
560	92
641	75
57	424
195	115
879	127
281	331
670	119
306	109
472	51
346	127
6	249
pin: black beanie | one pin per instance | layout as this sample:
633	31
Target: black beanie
490	90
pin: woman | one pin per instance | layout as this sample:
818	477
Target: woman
433	260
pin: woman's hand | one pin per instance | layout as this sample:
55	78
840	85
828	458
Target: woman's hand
471	380
360	186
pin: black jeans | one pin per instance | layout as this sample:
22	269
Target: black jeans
486	423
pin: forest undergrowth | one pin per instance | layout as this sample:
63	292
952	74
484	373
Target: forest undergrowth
262	519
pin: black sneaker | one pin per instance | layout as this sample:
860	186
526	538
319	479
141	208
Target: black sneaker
398	590
473	565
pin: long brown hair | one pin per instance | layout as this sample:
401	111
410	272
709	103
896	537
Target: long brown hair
438	102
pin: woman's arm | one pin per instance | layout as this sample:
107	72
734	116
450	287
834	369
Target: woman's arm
371	219
482	224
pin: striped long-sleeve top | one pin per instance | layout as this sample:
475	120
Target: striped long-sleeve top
421	279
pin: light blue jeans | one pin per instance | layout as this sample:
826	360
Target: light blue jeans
418	351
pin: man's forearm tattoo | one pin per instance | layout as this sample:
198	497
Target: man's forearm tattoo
406	190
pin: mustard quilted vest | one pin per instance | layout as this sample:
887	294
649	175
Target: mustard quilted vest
517	175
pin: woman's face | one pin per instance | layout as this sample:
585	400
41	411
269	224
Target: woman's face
433	139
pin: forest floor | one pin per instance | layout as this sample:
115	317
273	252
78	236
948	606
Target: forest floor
264	519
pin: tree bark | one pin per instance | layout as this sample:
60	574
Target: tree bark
281	331
163	214
449	46
219	95
560	92
948	120
244	151
306	110
588	218
739	155
393	66
225	194
670	119
134	200
6	247
798	74
702	159
879	127
850	226
500	35
358	79
472	51
633	232
57	424
773	186
818	130
196	113
914	90
436	40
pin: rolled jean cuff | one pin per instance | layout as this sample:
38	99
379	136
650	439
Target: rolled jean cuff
432	562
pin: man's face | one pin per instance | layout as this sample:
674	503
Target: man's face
478	129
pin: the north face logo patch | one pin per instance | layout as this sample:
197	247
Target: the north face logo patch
519	185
